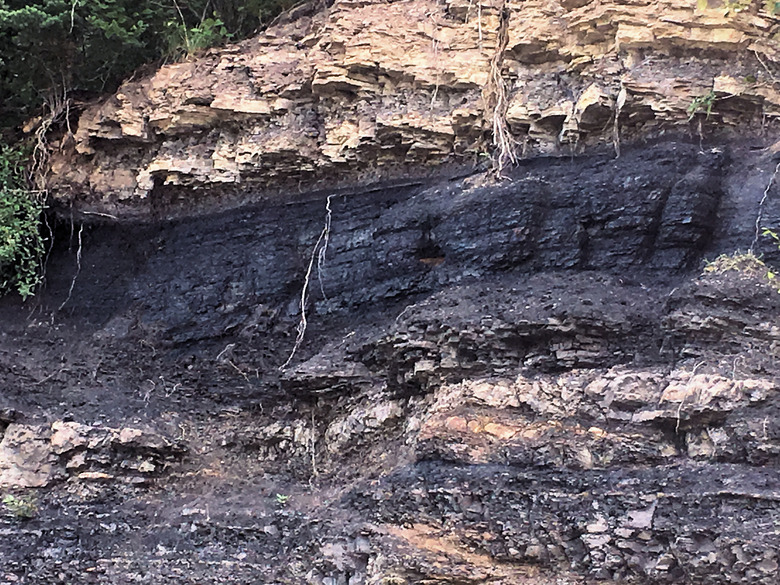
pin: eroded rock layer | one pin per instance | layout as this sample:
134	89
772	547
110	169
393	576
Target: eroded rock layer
533	381
366	91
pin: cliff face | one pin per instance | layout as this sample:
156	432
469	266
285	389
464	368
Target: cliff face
524	382
331	348
367	91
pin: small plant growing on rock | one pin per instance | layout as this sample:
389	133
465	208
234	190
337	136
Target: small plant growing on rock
771	275
746	263
773	235
282	499
702	103
186	42
23	507
737	6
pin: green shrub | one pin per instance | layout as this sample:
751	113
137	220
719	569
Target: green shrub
745	263
184	41
742	262
92	45
702	103
21	244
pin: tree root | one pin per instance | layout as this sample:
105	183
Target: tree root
761	203
496	99
78	271
318	255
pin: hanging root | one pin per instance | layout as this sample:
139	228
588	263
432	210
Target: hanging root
324	248
57	107
313	447
78	270
436	64
438	73
496	99
619	103
50	233
761	203
479	20
696	366
318	255
761	61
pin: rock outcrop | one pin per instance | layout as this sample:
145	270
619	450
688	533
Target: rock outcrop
530	381
330	348
37	455
361	92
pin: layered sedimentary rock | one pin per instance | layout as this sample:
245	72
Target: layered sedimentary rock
36	455
366	91
362	359
533	381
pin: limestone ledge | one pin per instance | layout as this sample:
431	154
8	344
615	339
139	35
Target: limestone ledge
364	89
35	455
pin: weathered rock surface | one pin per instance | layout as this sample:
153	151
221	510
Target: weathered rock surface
367	91
36	455
530	381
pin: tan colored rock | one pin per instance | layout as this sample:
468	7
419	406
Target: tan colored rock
35	455
95	476
500	431
370	90
701	389
26	457
67	436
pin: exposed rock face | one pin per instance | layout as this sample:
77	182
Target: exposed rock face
367	91
35	455
530	381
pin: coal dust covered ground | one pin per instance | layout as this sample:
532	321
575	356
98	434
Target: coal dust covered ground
567	376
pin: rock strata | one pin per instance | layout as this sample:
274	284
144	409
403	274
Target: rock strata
293	330
539	380
37	455
360	92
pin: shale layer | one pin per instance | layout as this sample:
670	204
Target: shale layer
536	380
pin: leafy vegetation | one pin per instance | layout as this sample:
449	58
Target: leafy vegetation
92	45
746	263
55	50
736	6
21	244
702	103
773	236
23	507
771	275
743	262
184	41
